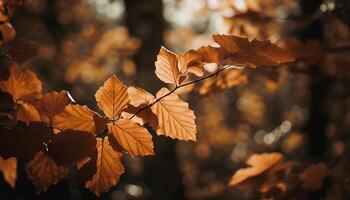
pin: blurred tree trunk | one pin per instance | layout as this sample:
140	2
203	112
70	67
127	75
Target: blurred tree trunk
145	21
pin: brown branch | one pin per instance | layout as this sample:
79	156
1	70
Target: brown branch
180	86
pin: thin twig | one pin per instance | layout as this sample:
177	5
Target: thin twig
180	86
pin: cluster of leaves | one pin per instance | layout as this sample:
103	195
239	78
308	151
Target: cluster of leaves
51	134
277	177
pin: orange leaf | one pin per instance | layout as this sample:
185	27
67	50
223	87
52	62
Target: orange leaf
53	103
139	97
107	167
175	119
251	53
69	147
132	137
7	32
112	97
313	176
21	84
9	170
79	118
211	54
27	113
44	172
172	68
259	163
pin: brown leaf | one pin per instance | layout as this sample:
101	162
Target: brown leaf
139	97
112	97
175	119
313	176
211	54
69	147
251	53
132	137
52	103
22	51
27	113
225	80
79	118
7	32
258	163
43	171
9	170
108	168
22	84
23	142
172	68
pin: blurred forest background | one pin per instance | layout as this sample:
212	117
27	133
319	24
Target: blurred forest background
301	110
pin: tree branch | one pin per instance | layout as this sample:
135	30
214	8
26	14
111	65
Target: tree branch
180	86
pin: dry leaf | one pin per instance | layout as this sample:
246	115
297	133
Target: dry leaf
139	97
7	32
79	118
313	176
9	170
211	54
258	163
175	119
251	53
27	113
108	167
53	103
21	84
23	51
43	171
172	68
132	137
69	147
112	97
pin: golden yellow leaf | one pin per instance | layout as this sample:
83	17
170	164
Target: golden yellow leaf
251	53
53	103
79	118
43	171
108	167
27	113
313	176
9	170
175	119
21	84
258	163
112	97
131	137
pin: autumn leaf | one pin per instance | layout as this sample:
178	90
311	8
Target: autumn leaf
258	163
313	176
253	53
172	68
21	84
69	147
107	168
53	103
112	97
7	32
225	80
22	51
27	113
139	97
23	142
79	118
43	171
8	168
175	119
211	54
132	137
